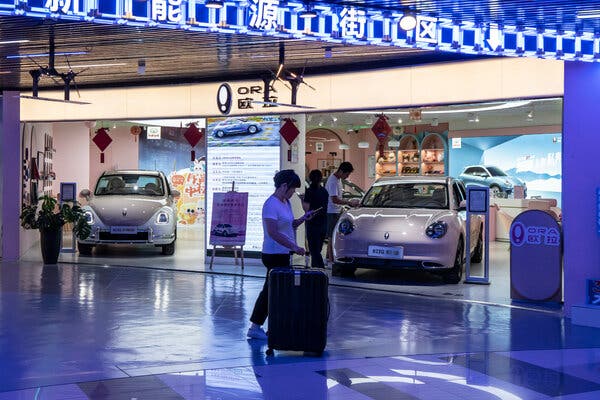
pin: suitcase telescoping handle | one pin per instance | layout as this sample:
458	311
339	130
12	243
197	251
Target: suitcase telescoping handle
306	260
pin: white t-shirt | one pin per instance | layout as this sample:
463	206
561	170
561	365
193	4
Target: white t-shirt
334	188
282	213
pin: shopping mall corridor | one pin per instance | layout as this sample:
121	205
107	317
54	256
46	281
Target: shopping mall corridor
98	332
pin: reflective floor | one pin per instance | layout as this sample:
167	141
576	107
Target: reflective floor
76	331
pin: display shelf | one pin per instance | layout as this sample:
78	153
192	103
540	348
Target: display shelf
408	156
433	155
386	164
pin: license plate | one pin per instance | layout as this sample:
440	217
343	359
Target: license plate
387	252
127	230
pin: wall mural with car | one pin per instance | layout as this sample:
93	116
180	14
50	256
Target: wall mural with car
532	161
171	155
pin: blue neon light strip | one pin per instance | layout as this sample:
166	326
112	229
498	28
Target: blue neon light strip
380	29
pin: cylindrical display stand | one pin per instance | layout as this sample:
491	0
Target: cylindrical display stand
535	257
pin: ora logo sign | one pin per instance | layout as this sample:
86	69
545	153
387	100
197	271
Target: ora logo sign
224	98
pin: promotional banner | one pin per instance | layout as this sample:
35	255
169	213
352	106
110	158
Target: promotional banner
244	151
229	216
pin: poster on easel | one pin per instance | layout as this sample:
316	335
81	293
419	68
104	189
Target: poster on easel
229	217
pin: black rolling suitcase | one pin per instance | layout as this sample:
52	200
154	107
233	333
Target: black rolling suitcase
298	310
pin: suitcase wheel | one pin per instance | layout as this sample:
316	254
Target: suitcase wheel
270	352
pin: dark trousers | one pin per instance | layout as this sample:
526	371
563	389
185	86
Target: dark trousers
315	236
261	307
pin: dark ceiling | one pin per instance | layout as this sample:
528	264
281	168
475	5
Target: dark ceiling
177	56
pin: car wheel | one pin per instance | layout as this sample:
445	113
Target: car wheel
168	249
455	274
85	249
478	253
252	129
495	190
219	134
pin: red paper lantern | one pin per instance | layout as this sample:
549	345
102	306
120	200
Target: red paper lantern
289	131
102	140
193	135
382	130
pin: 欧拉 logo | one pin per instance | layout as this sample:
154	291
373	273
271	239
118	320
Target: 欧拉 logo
224	98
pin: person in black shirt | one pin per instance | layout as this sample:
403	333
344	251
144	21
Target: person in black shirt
315	199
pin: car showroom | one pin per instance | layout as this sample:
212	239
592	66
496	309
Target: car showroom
512	147
205	140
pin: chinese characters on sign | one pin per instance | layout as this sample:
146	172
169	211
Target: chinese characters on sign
264	14
352	23
533	235
62	6
167	10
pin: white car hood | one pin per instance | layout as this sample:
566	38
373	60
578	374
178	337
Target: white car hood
125	210
409	220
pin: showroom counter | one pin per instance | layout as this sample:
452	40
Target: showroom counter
507	209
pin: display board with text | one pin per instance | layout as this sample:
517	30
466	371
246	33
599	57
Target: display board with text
244	151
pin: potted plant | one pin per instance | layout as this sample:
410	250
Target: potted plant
47	216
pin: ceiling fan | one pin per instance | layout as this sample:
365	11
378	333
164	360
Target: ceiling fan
68	78
286	77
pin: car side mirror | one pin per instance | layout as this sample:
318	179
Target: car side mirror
462	206
85	193
175	193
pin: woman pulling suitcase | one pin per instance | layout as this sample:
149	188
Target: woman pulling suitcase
279	227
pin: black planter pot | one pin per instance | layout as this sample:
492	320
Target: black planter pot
50	241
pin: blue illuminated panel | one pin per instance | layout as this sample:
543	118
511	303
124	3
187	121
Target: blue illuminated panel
347	25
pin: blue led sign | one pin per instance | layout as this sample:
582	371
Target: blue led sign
347	25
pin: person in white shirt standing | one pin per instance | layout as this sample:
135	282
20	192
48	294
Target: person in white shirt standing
279	227
336	201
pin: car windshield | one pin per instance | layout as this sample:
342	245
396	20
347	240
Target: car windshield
494	171
130	184
351	190
407	195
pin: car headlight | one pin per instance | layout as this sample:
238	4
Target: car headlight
436	230
346	226
89	217
162	218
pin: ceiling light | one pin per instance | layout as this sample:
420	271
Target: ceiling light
472	117
308	12
216	4
369	120
344	146
435	122
588	14
394	143
13	41
363	145
399	120
334	118
66	53
408	21
530	115
90	65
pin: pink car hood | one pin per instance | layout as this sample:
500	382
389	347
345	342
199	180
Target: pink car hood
125	210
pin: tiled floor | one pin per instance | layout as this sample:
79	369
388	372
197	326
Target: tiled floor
98	332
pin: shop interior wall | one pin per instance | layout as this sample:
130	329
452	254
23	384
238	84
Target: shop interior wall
357	156
29	237
72	158
122	153
444	83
